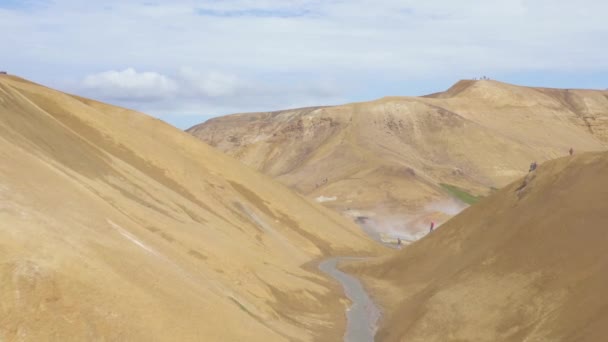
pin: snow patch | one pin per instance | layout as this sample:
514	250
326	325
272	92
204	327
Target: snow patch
322	199
132	238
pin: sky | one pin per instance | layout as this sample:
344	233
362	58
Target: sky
185	61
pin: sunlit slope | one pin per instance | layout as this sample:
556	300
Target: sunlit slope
526	264
116	226
392	155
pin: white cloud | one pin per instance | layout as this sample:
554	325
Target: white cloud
189	91
212	83
405	36
252	54
130	84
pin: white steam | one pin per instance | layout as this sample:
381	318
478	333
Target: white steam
410	227
448	206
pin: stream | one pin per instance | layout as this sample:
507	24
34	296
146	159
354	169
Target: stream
362	316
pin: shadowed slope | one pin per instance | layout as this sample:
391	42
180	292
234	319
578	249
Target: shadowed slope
117	226
528	263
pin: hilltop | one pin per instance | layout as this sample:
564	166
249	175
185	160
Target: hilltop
528	263
117	226
400	162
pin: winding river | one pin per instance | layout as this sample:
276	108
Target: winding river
363	315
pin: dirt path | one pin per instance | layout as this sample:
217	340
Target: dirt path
363	314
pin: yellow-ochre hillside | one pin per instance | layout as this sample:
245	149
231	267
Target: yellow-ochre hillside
116	226
411	156
529	263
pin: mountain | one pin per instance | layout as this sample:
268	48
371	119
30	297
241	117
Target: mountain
117	226
404	161
528	263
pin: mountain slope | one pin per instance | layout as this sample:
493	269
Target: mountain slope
528	263
116	226
409	155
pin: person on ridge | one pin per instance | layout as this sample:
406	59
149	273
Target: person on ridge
432	226
571	151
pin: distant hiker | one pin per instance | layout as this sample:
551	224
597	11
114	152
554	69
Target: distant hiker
432	226
533	166
398	241
571	151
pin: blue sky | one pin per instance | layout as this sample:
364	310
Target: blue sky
186	60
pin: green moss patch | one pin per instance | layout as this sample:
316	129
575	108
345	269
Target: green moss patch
461	194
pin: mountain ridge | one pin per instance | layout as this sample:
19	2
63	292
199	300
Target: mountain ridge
115	225
398	151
